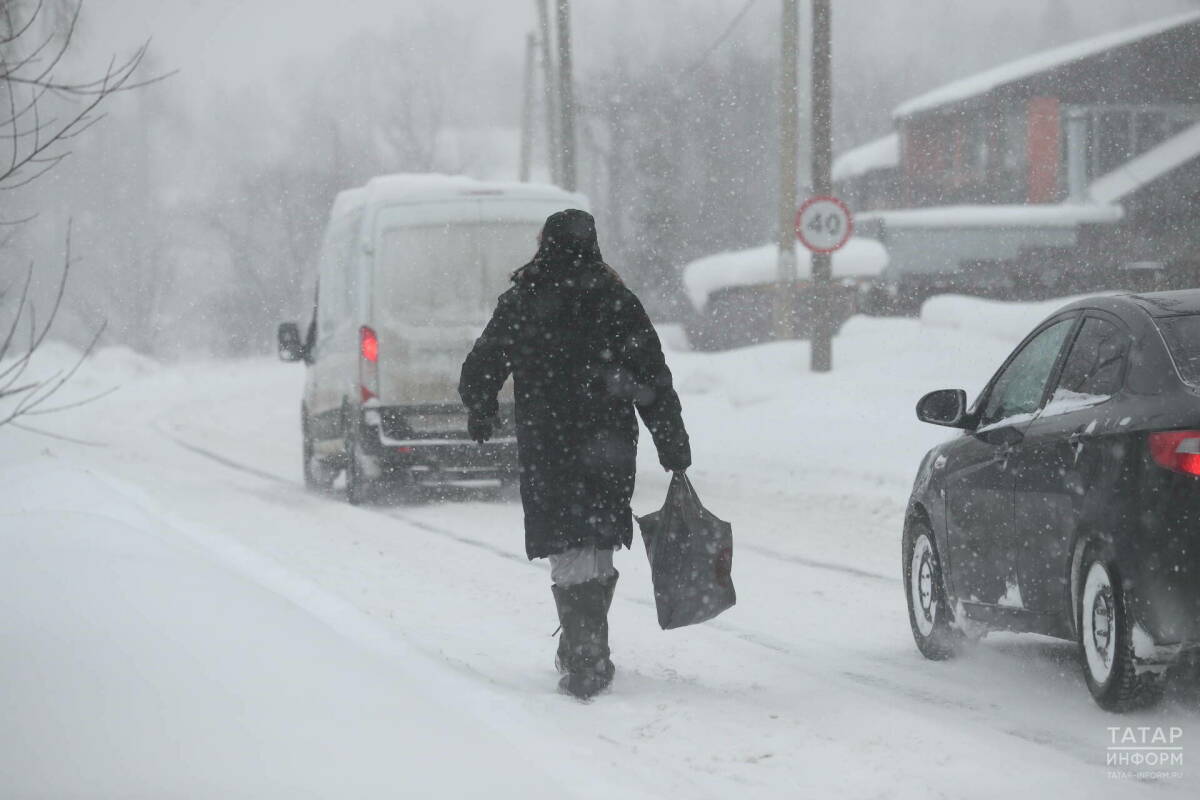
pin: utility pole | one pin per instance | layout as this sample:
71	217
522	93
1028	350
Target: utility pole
526	161
822	163
613	169
804	96
788	167
549	91
566	98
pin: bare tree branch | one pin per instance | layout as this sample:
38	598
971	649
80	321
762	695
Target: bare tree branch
16	320
36	339
35	38
17	390
51	386
29	79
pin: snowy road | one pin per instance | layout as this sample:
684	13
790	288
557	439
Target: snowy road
809	687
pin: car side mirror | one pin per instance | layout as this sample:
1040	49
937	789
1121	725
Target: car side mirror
290	346
944	407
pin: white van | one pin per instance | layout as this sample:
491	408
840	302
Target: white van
409	272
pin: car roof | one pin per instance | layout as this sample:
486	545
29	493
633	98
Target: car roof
1153	304
1169	304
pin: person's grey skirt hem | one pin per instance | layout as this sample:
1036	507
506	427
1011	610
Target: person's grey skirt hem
581	564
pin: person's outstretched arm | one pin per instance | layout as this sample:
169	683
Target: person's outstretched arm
655	396
486	368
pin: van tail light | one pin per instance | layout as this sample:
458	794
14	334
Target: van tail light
368	363
1178	451
368	344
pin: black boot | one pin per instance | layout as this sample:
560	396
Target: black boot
560	658
583	612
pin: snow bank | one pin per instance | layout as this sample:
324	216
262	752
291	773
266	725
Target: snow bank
994	319
761	422
759	416
1039	62
882	153
113	363
860	258
105	372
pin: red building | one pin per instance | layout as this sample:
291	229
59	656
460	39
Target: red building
1056	171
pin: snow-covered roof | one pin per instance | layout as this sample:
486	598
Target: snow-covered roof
1064	215
1149	166
860	257
881	153
1029	66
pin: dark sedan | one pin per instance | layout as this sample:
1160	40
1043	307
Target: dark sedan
1070	504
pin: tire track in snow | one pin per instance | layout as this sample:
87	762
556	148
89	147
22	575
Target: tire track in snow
419	524
817	564
923	700
222	460
425	526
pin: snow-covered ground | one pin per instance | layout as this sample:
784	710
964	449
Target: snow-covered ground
180	618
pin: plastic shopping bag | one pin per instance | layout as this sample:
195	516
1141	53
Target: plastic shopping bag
691	557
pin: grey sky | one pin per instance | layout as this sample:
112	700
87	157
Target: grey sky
239	42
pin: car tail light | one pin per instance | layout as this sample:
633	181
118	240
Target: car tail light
1177	450
368	371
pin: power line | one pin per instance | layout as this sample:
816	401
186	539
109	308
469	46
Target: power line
699	62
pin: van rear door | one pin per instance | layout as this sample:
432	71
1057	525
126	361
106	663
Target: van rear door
436	284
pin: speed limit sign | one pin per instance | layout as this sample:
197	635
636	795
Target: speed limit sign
824	224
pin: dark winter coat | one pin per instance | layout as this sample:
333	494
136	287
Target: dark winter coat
583	355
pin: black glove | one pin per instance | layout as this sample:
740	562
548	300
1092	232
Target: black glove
480	428
675	462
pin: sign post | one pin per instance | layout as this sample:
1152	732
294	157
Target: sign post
823	225
789	157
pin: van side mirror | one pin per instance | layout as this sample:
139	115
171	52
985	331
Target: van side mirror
290	346
944	407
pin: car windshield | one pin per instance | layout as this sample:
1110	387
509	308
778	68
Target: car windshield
1182	335
449	274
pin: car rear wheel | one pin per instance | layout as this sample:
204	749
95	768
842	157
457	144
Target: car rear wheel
1106	638
928	606
360	486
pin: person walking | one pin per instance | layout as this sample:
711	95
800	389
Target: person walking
583	355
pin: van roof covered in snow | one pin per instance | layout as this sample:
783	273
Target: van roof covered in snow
410	188
427	187
347	201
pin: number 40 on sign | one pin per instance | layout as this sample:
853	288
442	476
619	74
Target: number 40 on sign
824	224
